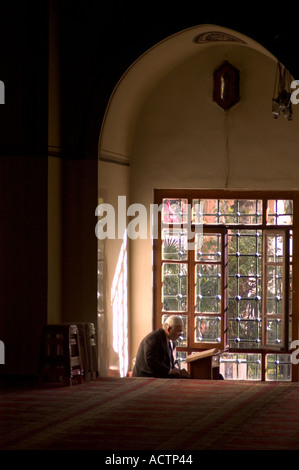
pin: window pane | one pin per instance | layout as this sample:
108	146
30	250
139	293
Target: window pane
274	289
207	247
240	366
273	331
275	296
244	333
205	211
245	241
244	288
250	212
274	248
249	265
175	211
278	367
243	212
279	212
227	211
207	329
174	244
208	288
174	290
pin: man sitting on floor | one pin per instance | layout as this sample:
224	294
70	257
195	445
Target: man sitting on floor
155	356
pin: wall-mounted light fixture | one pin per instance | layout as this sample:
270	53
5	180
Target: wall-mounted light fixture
226	91
281	101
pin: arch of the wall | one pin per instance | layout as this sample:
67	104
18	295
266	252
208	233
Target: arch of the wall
134	86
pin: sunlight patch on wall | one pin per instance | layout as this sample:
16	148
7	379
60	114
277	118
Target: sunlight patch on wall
119	301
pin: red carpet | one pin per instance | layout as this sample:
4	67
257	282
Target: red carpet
152	414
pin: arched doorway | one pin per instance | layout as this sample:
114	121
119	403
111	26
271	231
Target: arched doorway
163	130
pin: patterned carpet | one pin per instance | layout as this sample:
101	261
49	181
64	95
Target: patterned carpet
152	414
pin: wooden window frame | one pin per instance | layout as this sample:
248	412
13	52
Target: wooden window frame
160	194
